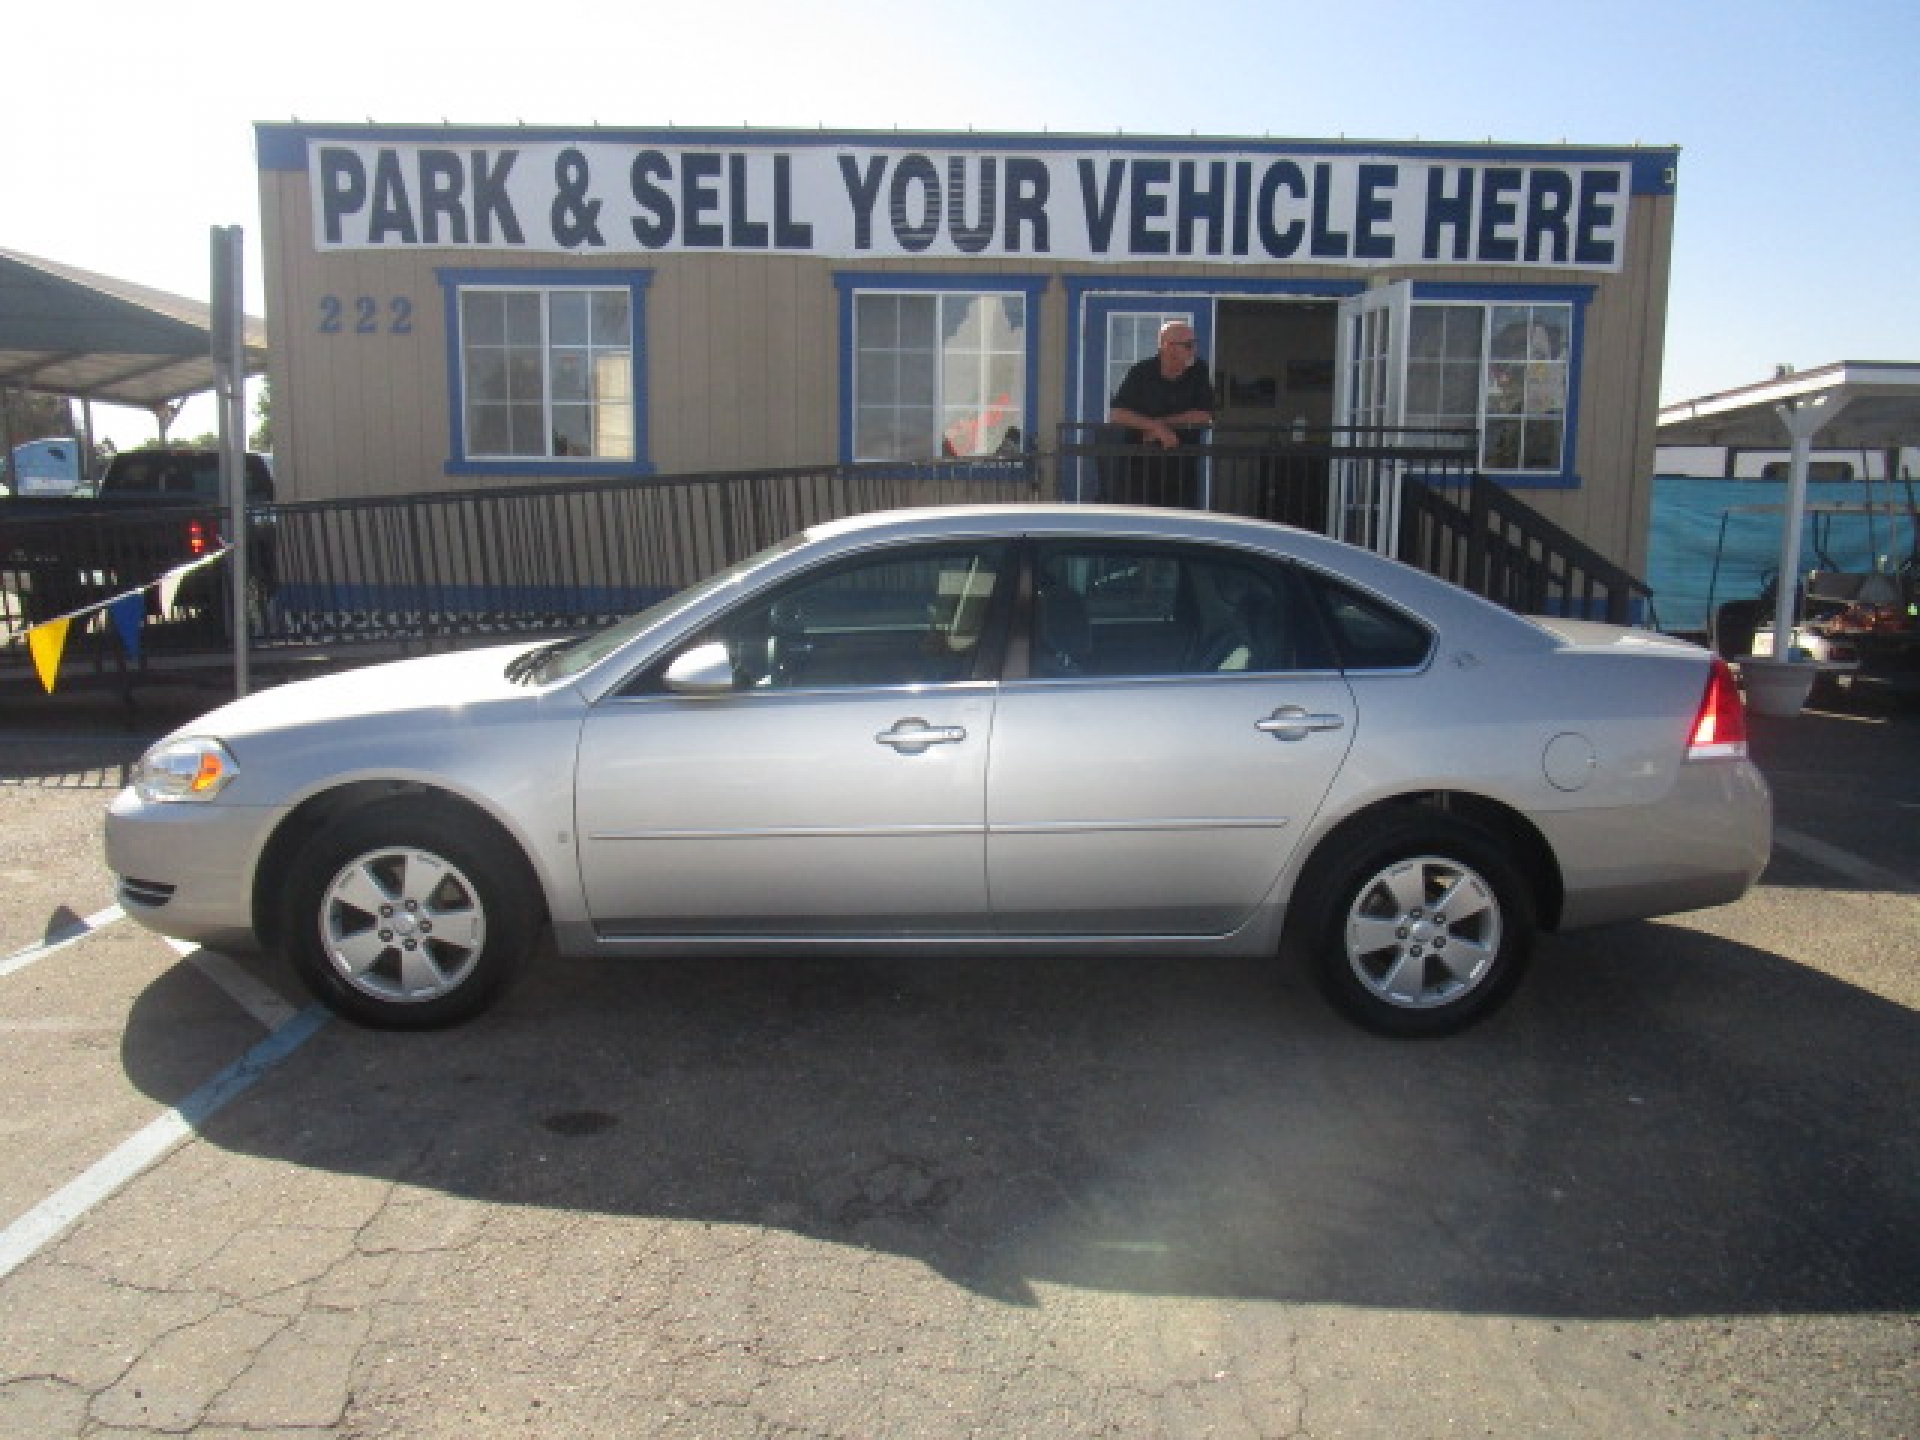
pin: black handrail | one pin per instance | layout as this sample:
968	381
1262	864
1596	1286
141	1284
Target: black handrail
1498	546
560	556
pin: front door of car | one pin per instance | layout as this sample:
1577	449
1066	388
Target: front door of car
1179	728
838	785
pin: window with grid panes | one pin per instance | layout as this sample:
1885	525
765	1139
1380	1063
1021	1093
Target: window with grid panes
547	373
938	374
1499	369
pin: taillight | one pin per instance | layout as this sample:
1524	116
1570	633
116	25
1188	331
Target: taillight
1720	728
196	538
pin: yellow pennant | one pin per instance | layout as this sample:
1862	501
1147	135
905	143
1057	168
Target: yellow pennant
48	642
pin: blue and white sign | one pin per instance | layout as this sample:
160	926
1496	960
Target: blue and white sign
867	202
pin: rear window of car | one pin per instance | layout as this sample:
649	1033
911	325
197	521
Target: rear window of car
1370	634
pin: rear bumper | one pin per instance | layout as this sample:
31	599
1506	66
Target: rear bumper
1705	844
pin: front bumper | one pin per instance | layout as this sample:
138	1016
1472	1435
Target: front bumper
186	870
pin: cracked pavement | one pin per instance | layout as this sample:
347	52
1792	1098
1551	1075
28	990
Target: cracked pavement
1673	1191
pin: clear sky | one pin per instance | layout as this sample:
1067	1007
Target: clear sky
128	128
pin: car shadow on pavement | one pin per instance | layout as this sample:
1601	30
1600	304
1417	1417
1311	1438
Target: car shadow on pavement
1662	1123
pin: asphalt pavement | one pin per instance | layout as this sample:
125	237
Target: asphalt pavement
1672	1191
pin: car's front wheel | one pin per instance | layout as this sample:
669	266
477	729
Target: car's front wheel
1417	927
407	915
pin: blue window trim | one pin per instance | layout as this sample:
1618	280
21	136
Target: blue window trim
1088	295
635	282
852	282
1577	298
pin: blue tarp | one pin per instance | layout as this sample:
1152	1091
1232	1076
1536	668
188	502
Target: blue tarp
1695	519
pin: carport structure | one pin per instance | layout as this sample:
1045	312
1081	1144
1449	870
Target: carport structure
71	332
1848	405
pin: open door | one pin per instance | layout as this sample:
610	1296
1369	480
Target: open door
1369	405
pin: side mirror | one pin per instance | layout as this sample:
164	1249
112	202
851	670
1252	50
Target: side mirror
704	670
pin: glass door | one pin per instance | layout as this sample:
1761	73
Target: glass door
1370	387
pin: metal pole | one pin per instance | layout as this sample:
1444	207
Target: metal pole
6	435
230	386
86	447
1803	420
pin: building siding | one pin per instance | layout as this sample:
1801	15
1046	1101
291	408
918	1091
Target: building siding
742	356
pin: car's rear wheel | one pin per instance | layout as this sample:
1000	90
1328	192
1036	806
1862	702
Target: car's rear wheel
408	915
1417	927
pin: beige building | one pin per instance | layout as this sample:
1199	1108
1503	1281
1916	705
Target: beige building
453	307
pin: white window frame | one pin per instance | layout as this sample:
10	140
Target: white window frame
1013	423
1563	368
616	392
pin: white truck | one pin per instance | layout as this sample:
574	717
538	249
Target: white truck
45	467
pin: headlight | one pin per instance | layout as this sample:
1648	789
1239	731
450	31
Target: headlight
190	769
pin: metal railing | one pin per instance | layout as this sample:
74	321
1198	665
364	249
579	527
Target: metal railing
569	556
1340	481
56	557
544	557
1498	546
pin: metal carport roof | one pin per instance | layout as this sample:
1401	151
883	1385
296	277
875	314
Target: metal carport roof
1849	405
67	331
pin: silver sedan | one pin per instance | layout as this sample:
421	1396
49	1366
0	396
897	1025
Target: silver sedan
1003	729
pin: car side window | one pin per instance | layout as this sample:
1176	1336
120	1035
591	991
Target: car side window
914	617
1369	633
1122	609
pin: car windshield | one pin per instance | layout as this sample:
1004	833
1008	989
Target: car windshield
573	657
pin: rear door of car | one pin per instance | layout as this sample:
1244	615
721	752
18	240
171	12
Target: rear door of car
838	788
1179	724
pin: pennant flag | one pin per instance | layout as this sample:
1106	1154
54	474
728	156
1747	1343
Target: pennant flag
170	588
47	642
129	613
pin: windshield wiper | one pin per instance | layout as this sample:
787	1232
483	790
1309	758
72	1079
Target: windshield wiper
525	667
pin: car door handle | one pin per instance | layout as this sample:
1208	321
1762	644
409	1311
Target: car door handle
913	735
1293	722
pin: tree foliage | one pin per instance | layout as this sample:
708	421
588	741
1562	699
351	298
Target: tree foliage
206	440
31	416
262	437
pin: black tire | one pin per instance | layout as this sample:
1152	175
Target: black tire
1416	927
461	913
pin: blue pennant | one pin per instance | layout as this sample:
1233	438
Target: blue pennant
129	614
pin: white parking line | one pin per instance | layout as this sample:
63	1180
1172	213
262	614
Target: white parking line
254	996
73	935
25	1237
1842	862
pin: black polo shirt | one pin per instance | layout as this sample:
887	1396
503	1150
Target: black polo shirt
1145	391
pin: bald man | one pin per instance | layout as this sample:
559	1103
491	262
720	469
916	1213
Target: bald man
1168	391
1164	401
